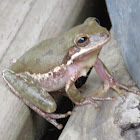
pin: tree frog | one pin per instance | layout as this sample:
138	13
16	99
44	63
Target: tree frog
55	64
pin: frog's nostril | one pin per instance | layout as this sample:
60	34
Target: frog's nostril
104	35
107	35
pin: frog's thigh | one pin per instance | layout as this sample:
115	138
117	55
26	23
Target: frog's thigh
29	92
73	93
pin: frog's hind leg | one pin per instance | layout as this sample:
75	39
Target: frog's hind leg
33	96
50	117
109	81
75	96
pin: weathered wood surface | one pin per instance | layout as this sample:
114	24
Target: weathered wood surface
24	23
90	124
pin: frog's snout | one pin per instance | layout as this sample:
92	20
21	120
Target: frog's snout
105	34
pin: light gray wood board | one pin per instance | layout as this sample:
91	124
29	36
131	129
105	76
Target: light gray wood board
24	23
90	124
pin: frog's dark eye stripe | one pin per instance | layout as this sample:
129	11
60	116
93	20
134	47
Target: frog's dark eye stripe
82	40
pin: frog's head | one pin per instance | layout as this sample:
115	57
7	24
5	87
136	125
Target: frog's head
89	37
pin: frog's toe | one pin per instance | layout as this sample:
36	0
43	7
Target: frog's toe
100	92
54	122
119	86
111	83
117	89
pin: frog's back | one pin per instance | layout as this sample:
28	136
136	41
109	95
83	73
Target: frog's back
47	54
42	57
53	52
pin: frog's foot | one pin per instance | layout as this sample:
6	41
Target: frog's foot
111	83
128	88
97	92
51	117
92	100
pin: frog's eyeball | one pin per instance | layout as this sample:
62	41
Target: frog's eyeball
82	40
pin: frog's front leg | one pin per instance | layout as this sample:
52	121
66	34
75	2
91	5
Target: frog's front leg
75	95
33	96
109	81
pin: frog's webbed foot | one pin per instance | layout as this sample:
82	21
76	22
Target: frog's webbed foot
128	88
92	100
109	81
112	83
51	117
75	95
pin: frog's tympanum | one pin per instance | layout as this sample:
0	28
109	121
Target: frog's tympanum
55	64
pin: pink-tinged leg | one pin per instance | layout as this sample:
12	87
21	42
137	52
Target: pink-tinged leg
51	117
109	81
75	95
15	79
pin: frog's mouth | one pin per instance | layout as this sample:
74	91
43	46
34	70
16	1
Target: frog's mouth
96	43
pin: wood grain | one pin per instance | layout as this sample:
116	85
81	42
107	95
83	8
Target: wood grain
24	23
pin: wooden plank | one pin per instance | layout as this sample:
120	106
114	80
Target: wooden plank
22	24
12	16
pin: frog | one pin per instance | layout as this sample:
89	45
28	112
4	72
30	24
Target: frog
54	65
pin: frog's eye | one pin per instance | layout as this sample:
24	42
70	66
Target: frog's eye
82	40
